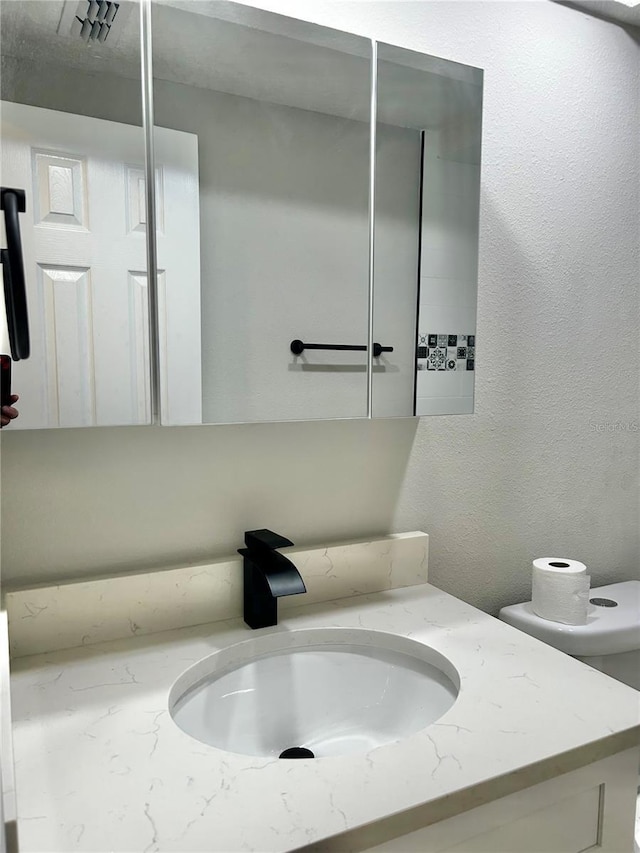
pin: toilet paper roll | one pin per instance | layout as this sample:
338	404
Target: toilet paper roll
560	590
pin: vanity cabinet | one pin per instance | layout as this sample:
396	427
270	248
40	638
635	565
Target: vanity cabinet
587	809
285	226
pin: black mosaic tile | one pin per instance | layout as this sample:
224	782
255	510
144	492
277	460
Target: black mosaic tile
446	352
436	359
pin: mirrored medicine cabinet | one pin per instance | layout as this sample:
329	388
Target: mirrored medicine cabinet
307	247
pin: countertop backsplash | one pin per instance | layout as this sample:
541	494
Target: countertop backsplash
66	615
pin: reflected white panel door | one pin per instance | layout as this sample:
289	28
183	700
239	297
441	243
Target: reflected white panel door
85	264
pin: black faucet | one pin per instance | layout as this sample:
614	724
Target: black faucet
267	575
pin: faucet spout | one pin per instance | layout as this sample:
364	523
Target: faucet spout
268	575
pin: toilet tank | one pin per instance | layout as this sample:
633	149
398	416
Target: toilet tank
610	641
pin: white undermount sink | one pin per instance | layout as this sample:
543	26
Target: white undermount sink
329	691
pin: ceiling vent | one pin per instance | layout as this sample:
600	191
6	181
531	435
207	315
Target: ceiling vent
94	21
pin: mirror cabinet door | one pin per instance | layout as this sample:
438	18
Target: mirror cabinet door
428	138
265	293
72	139
262	161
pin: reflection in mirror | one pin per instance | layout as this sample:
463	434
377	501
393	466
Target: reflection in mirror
72	138
262	190
272	115
428	131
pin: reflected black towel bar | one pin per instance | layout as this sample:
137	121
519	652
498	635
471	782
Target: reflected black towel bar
298	347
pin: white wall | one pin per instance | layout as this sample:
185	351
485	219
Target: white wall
535	471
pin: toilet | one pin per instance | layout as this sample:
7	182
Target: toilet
610	641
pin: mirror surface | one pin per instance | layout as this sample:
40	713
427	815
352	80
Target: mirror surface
433	109
281	124
278	126
71	130
262	187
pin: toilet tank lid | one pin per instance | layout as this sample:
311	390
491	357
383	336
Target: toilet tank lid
609	630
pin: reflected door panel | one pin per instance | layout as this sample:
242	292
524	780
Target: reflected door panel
85	263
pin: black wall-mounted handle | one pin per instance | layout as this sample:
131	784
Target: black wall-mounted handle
5	380
13	202
298	347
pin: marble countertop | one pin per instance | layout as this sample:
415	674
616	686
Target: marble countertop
101	766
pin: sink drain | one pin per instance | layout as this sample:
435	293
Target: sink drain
296	752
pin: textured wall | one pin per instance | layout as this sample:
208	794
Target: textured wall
536	471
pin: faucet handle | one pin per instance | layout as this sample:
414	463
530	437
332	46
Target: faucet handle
261	540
